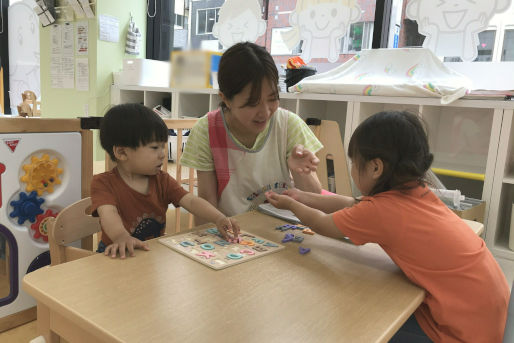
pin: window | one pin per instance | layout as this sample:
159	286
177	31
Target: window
508	46
180	21
205	20
485	48
358	37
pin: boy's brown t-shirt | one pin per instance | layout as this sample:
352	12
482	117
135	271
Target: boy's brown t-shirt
143	215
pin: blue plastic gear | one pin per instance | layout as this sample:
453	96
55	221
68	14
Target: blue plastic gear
27	207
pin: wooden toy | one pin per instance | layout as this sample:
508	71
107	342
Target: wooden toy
208	248
30	106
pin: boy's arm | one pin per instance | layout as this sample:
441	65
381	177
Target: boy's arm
318	221
114	228
205	210
207	189
327	203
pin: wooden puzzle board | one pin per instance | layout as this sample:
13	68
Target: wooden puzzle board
208	248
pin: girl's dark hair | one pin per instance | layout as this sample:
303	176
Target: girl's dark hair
400	140
131	125
242	64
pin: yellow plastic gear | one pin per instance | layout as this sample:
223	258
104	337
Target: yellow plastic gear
41	174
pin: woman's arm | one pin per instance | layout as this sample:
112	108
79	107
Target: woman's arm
306	182
303	164
207	189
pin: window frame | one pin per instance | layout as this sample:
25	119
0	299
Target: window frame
216	15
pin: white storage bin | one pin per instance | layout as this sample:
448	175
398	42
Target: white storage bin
144	72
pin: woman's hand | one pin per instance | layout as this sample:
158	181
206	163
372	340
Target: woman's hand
302	161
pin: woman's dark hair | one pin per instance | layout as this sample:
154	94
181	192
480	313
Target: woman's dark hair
242	64
131	125
400	140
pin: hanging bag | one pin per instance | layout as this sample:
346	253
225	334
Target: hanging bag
133	38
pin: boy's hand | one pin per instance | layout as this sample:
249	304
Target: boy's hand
225	224
279	201
126	242
302	160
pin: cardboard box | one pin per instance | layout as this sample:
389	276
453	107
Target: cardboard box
194	69
475	210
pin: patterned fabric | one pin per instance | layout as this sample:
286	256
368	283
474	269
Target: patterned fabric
133	39
243	174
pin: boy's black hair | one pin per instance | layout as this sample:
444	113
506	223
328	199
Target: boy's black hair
400	140
243	64
131	125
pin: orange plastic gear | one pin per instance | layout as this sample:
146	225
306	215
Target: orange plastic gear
41	174
39	227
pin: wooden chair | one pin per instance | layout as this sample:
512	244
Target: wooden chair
327	131
178	125
71	224
508	336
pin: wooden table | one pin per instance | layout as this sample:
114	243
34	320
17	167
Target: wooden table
336	293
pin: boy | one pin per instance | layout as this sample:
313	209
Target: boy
131	200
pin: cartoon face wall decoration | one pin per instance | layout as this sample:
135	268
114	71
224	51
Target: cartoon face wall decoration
451	27
239	21
320	24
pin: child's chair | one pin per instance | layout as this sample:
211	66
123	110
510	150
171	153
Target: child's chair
71	224
333	152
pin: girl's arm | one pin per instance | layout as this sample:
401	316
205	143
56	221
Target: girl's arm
318	221
207	189
325	203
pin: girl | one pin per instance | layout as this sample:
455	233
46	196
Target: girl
466	291
250	145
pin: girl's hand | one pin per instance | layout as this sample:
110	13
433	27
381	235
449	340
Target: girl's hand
294	193
228	225
302	160
279	201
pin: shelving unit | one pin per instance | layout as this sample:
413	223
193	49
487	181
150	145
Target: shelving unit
470	138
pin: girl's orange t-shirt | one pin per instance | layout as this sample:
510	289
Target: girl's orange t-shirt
466	291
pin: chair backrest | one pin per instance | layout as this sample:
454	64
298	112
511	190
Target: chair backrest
508	336
333	152
71	224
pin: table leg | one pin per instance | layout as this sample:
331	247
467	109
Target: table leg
43	324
